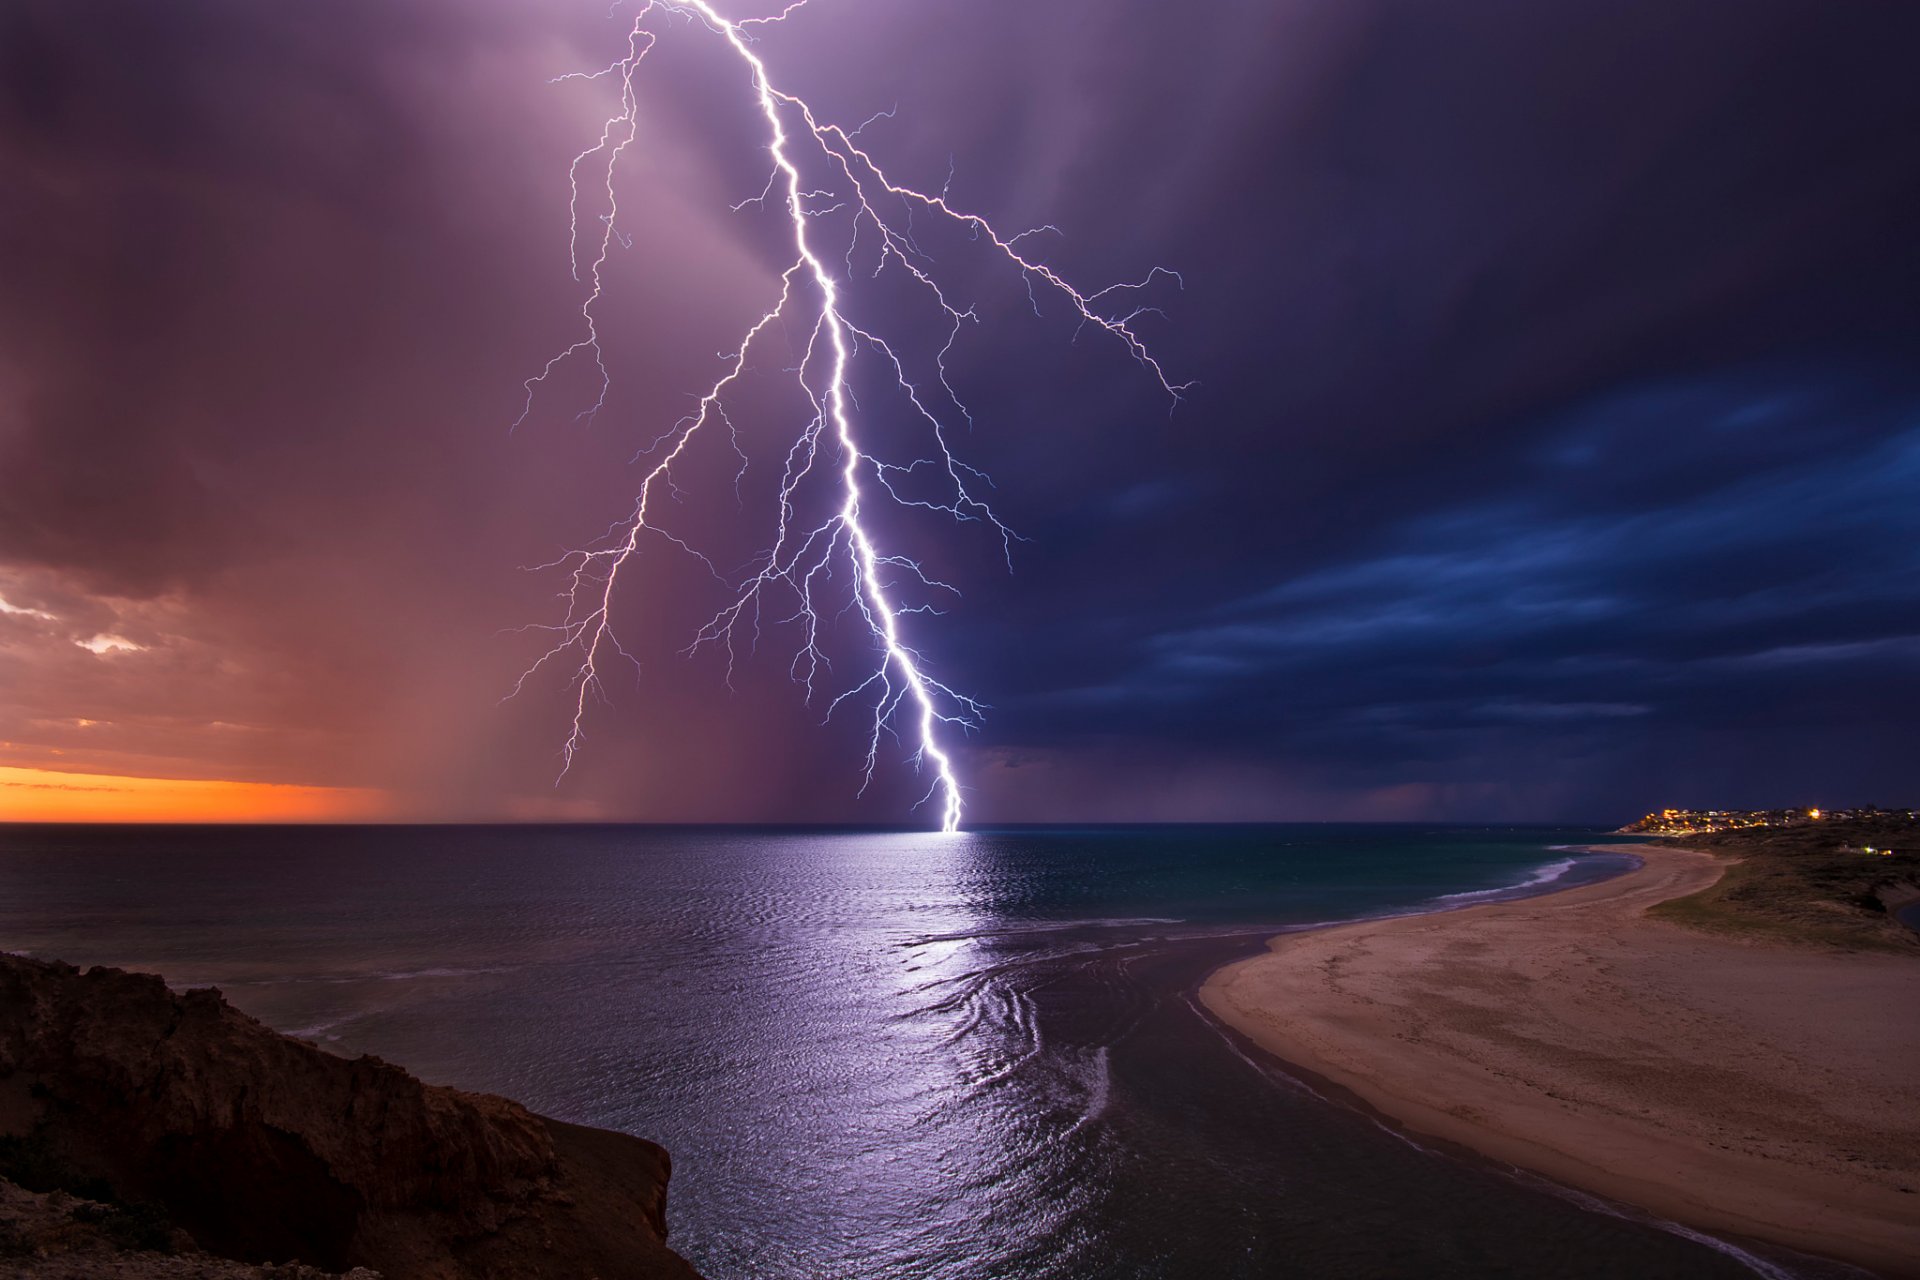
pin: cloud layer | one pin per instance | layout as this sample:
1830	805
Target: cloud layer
1551	456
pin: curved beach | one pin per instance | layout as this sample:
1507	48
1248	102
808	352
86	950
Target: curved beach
1737	1087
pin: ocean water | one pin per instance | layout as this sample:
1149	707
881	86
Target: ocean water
872	1054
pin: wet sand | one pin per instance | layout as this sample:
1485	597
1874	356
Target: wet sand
1736	1087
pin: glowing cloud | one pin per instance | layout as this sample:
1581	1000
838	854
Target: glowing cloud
104	644
814	570
14	610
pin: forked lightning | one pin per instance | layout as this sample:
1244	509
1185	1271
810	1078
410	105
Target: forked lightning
814	296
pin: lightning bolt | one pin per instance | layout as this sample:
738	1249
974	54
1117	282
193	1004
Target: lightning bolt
805	561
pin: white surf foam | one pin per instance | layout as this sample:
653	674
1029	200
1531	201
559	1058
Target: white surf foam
1099	1090
1541	875
1041	926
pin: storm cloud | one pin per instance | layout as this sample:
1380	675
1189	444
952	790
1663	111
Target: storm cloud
1550	455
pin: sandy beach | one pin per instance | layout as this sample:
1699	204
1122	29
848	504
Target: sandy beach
1737	1087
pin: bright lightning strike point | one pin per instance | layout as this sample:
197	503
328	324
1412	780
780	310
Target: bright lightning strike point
802	562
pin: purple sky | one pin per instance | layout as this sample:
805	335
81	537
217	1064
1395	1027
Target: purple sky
1553	453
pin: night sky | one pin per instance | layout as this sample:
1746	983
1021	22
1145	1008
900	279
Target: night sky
1553	453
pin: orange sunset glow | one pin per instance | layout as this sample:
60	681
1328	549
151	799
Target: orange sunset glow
44	795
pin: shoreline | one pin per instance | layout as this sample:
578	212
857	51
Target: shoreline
1735	1087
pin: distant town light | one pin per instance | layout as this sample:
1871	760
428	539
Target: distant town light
1678	822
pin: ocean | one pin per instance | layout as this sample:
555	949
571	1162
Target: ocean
873	1054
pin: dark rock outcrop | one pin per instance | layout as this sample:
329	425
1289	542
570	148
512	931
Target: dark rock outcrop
267	1149
57	1236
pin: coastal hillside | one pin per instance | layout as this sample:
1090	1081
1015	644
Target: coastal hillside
186	1126
1821	883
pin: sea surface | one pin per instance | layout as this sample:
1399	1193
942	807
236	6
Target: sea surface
873	1054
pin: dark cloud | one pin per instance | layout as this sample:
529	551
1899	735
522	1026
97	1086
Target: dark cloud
1551	453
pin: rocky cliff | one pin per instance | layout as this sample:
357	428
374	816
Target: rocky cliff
266	1149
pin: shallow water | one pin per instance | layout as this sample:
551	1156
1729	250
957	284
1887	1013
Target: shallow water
871	1054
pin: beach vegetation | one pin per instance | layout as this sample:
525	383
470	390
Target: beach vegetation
1810	884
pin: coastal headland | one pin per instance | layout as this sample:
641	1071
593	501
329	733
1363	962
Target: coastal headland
145	1132
1734	1083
